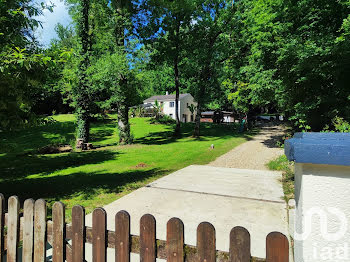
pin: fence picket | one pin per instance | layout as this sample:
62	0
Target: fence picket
277	248
28	230
239	245
33	229
12	228
78	224
40	230
2	222
122	237
99	246
206	242
175	240
147	238
58	236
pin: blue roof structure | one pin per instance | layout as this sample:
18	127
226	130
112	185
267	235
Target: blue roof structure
319	148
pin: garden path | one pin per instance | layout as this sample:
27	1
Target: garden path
256	153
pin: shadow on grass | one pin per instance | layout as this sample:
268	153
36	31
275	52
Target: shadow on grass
33	138
17	167
85	185
29	139
102	129
208	132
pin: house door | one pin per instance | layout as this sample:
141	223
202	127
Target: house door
184	118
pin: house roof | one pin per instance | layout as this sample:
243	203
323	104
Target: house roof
148	105
211	113
208	113
164	98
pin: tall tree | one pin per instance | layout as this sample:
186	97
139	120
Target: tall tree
122	11
81	92
293	57
21	62
210	21
165	24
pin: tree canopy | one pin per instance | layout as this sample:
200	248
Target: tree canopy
247	56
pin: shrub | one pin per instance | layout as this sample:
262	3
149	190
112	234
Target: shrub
164	119
339	125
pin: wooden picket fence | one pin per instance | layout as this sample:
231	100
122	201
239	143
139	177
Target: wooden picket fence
32	232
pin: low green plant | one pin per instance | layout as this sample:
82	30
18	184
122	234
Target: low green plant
138	111
62	140
158	109
165	119
339	124
282	164
37	121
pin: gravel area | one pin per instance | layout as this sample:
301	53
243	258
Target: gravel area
255	153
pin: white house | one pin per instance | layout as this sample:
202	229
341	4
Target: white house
168	104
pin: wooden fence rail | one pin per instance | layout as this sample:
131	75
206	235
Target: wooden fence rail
31	231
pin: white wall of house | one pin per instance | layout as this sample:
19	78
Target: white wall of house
169	108
184	112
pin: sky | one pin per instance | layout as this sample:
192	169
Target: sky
49	20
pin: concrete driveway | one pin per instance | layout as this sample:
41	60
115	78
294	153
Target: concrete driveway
225	197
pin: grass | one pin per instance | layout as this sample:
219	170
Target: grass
282	164
97	177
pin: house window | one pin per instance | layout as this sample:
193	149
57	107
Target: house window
172	104
171	115
187	104
191	118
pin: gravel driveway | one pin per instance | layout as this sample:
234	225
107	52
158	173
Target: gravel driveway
256	153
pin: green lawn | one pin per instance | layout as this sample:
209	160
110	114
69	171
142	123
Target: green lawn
95	178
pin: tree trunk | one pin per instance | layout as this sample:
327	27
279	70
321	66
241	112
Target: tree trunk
83	122
177	82
204	76
197	125
123	124
81	93
123	105
177	95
